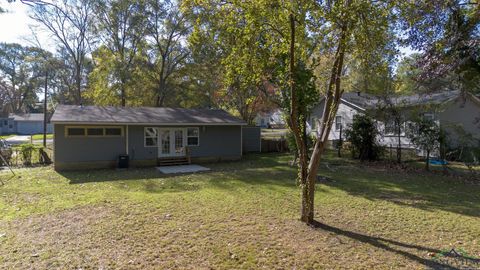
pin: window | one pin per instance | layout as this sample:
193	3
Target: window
192	136
93	131
113	132
338	122
75	132
392	127
428	116
151	137
5	122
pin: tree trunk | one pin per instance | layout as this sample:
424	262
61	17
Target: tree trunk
78	82
399	146
307	204
427	161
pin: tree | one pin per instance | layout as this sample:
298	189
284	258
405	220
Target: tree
22	79
166	29
284	35
446	31
121	28
426	136
70	22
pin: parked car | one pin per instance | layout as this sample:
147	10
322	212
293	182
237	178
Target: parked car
5	151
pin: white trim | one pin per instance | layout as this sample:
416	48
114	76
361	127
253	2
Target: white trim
145	124
351	104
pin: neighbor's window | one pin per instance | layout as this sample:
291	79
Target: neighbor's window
151	136
392	127
429	116
338	122
192	136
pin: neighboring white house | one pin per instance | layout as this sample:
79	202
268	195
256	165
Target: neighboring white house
25	124
272	119
450	109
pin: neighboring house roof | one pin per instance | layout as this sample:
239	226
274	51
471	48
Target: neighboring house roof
27	117
365	101
142	115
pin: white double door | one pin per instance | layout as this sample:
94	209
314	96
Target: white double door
172	142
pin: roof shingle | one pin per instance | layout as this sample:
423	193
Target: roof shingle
142	115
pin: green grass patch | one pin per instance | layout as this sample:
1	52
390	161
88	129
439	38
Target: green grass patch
6	136
241	215
40	136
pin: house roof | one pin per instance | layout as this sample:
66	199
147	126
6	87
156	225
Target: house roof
27	117
142	115
367	101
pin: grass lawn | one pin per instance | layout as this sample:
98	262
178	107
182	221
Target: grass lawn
40	136
242	215
6	136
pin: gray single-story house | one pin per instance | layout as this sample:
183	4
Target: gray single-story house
95	136
23	124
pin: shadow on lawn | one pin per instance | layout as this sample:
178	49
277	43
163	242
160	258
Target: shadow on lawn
271	170
423	191
388	245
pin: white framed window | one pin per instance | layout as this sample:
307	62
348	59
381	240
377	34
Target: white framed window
193	136
151	137
93	131
338	122
429	116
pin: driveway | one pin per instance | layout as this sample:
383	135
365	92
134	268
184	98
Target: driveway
20	139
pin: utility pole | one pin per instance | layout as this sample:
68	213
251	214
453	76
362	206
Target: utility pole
45	111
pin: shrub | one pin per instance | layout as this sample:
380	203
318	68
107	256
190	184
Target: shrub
26	152
362	136
426	136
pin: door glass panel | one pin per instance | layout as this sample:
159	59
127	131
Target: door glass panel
165	135
178	141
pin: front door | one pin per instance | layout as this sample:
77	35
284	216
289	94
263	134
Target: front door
172	142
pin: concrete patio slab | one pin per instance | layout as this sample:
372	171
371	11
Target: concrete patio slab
182	169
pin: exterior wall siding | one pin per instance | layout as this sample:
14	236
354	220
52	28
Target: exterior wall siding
461	114
215	143
70	153
344	111
31	127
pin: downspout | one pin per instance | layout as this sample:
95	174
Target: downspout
126	139
241	141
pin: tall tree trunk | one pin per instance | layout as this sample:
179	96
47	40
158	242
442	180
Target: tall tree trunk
332	102
307	205
399	146
78	82
122	91
427	161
